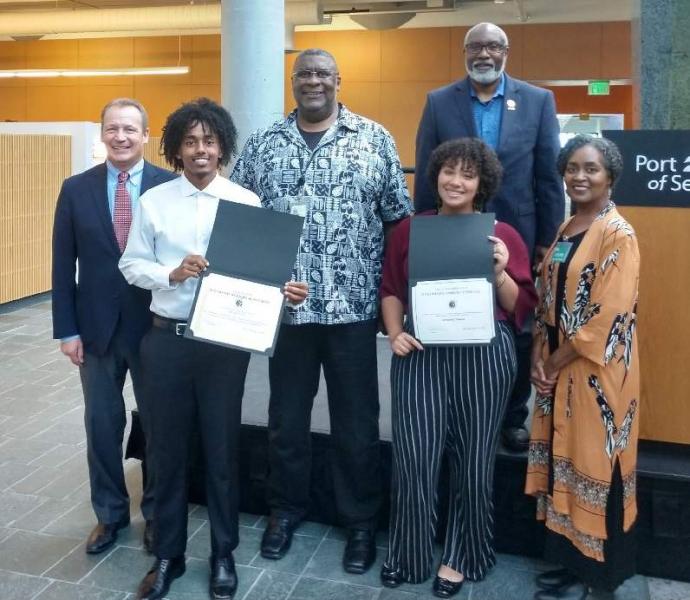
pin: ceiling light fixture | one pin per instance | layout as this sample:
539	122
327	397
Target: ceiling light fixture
135	71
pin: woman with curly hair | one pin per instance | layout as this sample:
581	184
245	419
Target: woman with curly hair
450	397
583	447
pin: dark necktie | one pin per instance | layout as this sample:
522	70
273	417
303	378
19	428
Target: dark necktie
122	211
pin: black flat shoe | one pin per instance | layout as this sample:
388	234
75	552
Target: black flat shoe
556	579
564	592
277	537
157	581
444	588
223	584
390	577
360	551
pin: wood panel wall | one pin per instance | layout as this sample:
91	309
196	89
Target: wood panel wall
664	325
386	74
32	168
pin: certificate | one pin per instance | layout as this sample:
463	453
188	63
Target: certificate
451	274
239	299
236	312
453	311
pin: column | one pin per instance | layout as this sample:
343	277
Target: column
252	63
664	64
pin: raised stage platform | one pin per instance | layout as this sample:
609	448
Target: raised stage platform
663	527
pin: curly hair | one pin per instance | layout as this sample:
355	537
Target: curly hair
473	154
610	154
212	116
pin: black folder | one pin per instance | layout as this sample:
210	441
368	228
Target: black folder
254	244
446	247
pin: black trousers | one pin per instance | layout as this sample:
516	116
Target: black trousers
517	411
102	380
193	385
348	356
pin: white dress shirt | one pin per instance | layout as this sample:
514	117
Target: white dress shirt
173	220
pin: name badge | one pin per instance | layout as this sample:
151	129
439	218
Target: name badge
561	251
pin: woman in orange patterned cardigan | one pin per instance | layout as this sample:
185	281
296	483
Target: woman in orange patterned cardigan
583	447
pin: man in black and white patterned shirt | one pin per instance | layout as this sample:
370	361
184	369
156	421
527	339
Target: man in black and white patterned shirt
342	173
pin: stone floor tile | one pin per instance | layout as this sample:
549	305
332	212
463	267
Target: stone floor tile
249	520
62	433
44	514
32	553
76	523
327	563
12	472
271	585
121	570
13	506
423	591
321	589
23	450
15	586
36	478
68	483
665	589
58	456
503	583
297	558
59	590
76	565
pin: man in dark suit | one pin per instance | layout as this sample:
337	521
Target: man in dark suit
99	318
518	121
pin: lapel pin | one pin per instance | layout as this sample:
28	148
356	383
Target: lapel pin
510	104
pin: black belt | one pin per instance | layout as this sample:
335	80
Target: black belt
177	327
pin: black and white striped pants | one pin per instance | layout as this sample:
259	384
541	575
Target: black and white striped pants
453	399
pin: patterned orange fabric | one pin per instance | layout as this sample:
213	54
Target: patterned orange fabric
592	420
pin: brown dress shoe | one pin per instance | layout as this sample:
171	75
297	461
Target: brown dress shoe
103	536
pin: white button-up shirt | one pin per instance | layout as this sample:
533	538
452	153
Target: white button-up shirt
173	220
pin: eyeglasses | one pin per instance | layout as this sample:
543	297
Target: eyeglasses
491	47
307	74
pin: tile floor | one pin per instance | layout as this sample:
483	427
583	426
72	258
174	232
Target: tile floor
45	513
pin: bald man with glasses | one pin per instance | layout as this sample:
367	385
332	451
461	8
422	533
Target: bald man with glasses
518	121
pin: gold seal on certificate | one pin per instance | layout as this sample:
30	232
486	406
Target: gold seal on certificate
453	311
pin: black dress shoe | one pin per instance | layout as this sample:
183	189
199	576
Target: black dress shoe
277	537
444	588
148	536
223	582
103	536
390	577
360	551
515	439
556	579
157	581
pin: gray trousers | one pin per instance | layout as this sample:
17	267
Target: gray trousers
102	380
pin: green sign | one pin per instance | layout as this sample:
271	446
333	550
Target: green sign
598	88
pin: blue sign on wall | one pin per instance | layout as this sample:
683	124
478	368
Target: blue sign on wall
656	168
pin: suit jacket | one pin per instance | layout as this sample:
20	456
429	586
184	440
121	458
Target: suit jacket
531	195
83	234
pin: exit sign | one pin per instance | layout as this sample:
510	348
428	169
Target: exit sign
598	88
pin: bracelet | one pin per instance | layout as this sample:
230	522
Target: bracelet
503	280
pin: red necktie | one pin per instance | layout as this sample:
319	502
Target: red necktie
122	211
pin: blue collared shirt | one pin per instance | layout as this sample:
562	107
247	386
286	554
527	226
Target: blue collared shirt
487	115
133	184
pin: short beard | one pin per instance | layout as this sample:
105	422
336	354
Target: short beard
486	77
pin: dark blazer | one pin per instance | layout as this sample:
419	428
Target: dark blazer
531	195
83	234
